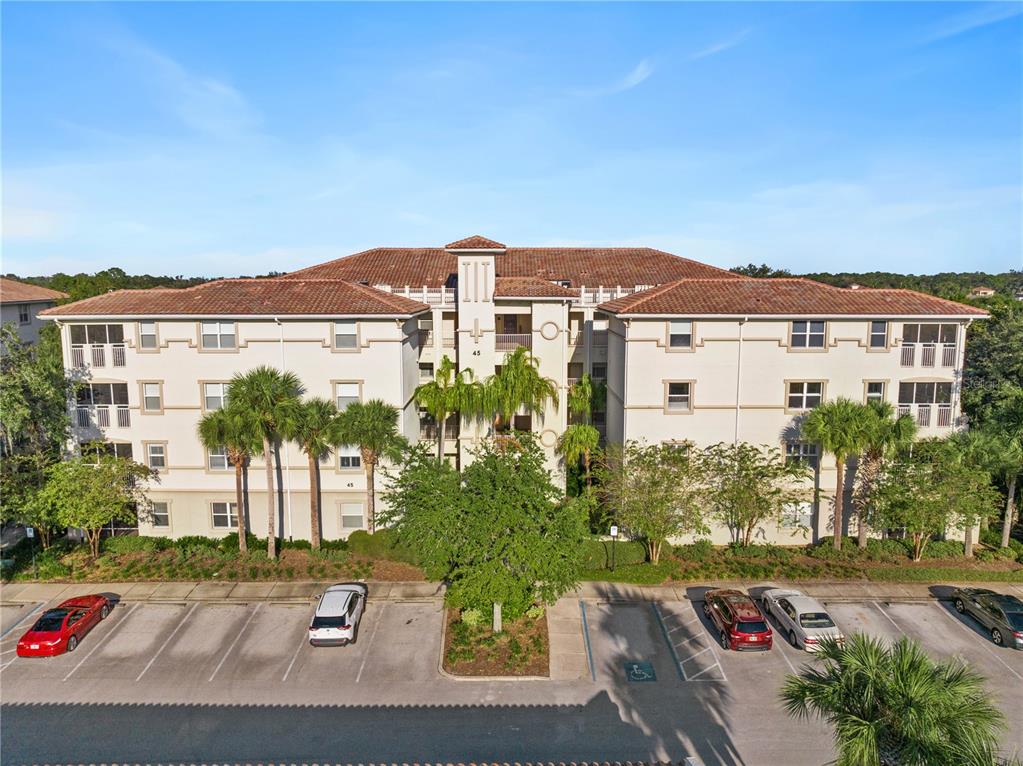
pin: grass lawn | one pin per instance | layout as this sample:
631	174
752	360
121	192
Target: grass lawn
521	649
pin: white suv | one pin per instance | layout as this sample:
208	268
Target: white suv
336	619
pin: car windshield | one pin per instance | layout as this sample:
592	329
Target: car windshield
758	626
330	622
51	621
1015	620
815	620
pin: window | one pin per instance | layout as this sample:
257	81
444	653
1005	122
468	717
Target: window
808	334
348	457
113	449
875	390
678	395
599	372
214	395
929	333
156	454
797	515
151	399
805	395
878	334
159	514
225	515
346	393
426	371
217	459
680	333
147	334
218	335
103	394
351	515
23	315
345	335
97	333
801	452
925	393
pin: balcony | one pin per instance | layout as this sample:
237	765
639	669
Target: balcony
425	338
930	354
433	296
96	354
100	416
923	414
512	341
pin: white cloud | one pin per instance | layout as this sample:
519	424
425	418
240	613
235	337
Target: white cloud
639	74
960	23
721	46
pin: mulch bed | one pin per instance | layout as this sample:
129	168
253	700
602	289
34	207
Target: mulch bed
521	649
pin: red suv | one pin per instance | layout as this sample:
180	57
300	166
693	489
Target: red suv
741	625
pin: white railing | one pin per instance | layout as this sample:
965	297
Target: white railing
929	355
434	296
95	354
100	416
593	296
923	413
907	357
577	339
948	355
511	341
448	342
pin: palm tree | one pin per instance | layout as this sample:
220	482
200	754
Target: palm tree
579	442
317	431
519	384
271	398
449	392
886	434
841	428
999	453
373	426
895	706
232	429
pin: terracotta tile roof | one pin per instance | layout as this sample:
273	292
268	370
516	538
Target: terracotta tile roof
266	297
582	266
12	291
530	287
789	297
475	242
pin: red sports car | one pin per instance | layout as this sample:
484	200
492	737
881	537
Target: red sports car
60	629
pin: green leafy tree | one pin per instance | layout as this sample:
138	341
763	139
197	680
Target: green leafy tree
22	477
994	361
234	429
502	536
895	706
518	385
656	492
90	492
316	428
451	391
886	435
578	443
999	453
373	427
748	486
271	399
842	428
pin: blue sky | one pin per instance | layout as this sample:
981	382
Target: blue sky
233	138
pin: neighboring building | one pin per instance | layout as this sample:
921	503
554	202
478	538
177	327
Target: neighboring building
981	292
690	352
21	303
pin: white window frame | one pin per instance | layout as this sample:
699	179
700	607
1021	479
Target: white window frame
811	337
874	397
804	394
148	397
206	395
349	458
679	402
228	510
804	452
593	371
24	314
214	456
162	456
216	335
876	334
347	512
145	333
425	375
682	331
351	339
154	514
799	514
343	390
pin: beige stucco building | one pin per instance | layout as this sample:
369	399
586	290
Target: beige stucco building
689	352
21	303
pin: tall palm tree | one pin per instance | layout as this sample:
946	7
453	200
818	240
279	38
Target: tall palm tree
449	392
316	429
579	442
841	428
886	434
373	426
232	429
519	384
271	397
895	706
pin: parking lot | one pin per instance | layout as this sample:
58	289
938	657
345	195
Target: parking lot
661	687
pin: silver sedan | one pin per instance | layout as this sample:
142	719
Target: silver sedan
802	619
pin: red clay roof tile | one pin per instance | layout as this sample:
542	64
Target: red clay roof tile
12	291
475	242
530	287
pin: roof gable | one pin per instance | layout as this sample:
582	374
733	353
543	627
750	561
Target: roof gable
475	242
13	291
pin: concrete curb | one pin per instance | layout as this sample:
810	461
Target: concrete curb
471	679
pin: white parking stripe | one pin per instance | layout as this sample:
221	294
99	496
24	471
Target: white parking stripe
365	654
305	638
882	611
102	641
973	633
788	662
24	617
236	640
709	667
692	656
167	641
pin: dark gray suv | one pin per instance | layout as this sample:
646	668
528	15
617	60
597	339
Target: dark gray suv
1001	615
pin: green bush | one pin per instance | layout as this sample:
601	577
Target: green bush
333	545
700	550
597	554
1007	554
890	551
383	544
193	542
773	553
639	574
229	543
296	545
535	612
944	549
135	543
472	617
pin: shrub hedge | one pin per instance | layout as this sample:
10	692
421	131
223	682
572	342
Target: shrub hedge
597	554
382	544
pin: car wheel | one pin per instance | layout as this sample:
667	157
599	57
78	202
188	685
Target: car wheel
72	643
792	639
104	612
706	609
960	606
724	641
996	636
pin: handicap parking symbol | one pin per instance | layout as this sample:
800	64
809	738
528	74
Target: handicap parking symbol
639	672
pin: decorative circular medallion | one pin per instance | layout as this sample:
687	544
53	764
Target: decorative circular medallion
549	330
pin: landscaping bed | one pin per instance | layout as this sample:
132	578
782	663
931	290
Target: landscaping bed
473	649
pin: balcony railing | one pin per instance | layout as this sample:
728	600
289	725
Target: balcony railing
930	354
948	355
100	416
923	414
434	296
95	354
511	341
448	342
425	338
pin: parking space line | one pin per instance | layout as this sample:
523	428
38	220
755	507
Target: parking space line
24	617
166	641
667	640
693	656
305	638
365	654
973	633
691	638
717	658
709	667
102	641
788	662
236	640
889	617
10	662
